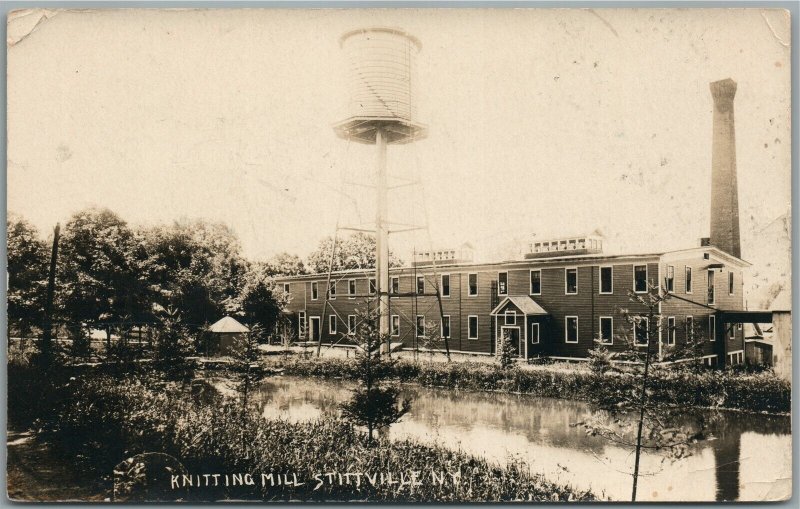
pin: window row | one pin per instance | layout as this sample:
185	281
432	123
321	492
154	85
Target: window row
710	290
641	330
421	328
605	284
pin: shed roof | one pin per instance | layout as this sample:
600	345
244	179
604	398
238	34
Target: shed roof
228	324
524	303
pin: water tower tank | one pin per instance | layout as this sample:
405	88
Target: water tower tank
381	66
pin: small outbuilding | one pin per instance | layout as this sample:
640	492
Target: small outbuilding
222	336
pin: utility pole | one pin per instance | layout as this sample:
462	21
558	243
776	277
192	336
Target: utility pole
46	347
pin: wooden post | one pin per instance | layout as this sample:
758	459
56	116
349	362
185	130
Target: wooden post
47	325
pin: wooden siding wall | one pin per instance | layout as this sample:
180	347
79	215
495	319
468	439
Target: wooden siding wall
723	300
588	304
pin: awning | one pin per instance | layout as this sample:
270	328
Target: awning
740	316
524	303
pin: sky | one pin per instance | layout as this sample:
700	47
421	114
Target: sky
541	123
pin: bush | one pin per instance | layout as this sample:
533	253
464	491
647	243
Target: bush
759	392
107	421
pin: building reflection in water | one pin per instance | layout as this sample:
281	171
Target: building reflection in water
538	431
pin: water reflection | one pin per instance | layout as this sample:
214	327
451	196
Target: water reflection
537	431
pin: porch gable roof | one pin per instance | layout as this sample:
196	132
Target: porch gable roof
524	303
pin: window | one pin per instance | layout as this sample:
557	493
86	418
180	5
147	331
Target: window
351	288
710	287
314	290
332	290
712	328
510	317
445	285
285	287
571	281
689	327
420	329
395	285
395	325
671	330
446	326
640	278
640	331
606	280
473	285
688	280
732	330
351	324
331	324
670	278
535	333
301	325
420	285
571	329
606	330
706	256
730	283
536	282
373	288
472	327
502	283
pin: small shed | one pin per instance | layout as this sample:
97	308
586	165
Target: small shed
223	335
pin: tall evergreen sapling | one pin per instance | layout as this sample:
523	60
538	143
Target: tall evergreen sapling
245	355
172	346
506	351
374	404
636	420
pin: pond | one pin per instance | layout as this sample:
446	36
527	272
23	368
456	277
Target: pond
743	459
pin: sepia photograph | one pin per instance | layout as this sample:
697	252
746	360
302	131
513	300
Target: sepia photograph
406	255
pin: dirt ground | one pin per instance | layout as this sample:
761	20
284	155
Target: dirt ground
35	473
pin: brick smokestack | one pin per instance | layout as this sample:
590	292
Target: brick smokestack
724	190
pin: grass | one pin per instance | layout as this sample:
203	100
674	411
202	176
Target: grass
98	420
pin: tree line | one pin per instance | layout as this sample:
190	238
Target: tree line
111	274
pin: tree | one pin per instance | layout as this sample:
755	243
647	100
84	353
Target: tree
600	359
173	345
260	303
285	264
374	404
245	361
81	345
27	262
99	268
354	252
638	421
430	337
195	267
506	351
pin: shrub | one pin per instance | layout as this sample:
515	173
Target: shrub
107	421
759	392
506	352
600	360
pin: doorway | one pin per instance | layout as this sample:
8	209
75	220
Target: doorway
315	328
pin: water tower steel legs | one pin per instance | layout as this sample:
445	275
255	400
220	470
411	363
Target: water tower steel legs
382	240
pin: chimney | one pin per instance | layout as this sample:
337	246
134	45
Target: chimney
724	191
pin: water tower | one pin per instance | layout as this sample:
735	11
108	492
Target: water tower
381	112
